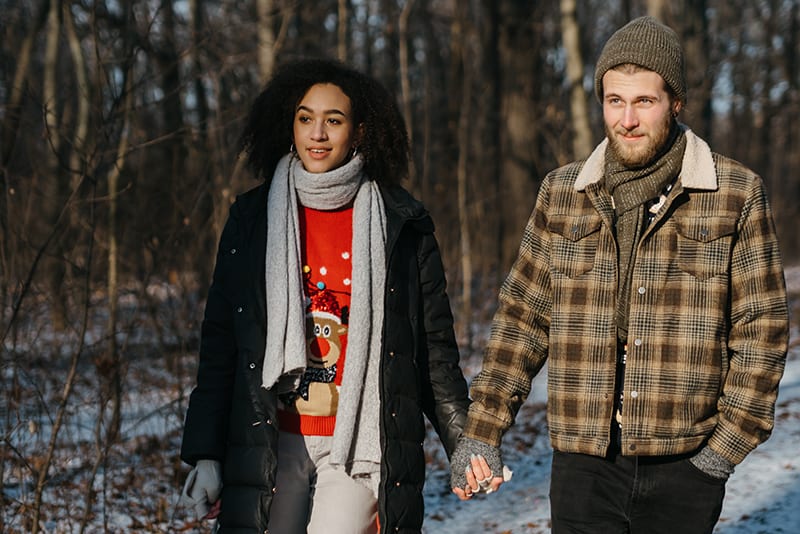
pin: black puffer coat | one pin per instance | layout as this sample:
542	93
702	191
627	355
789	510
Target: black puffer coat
232	419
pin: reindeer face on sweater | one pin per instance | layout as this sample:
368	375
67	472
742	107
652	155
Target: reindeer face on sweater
324	333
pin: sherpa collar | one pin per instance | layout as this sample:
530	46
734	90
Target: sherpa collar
697	169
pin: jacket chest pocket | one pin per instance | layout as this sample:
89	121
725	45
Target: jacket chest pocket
574	242
704	245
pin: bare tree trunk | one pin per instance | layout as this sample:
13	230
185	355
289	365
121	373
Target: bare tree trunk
201	159
519	122
582	140
270	43
55	270
8	139
432	111
690	20
461	43
657	9
341	47
50	87
266	38
789	191
79	156
80	135
490	229
405	85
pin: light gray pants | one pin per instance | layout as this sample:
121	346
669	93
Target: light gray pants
312	497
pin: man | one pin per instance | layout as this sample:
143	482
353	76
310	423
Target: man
649	280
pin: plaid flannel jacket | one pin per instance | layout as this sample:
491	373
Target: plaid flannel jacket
708	329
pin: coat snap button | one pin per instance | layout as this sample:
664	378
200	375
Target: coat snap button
233	251
239	309
252	365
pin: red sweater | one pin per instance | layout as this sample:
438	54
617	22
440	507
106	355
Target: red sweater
326	239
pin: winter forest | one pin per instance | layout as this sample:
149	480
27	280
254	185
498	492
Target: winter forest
119	159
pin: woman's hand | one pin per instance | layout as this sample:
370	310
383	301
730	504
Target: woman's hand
480	479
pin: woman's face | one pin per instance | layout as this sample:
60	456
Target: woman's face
323	130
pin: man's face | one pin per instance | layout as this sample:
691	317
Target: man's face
638	114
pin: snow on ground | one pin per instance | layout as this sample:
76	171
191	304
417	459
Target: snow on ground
763	495
137	489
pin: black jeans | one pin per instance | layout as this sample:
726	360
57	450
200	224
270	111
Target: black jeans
632	495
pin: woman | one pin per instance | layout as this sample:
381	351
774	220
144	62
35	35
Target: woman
327	332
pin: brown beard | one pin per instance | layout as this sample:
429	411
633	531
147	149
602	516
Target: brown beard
639	158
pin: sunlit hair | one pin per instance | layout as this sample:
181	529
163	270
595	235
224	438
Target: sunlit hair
267	134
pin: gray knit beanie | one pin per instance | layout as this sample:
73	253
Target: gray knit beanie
649	44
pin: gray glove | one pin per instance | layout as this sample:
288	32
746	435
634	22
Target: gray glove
712	464
203	486
461	457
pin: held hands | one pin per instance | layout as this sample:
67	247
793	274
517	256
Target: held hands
203	488
476	467
479	479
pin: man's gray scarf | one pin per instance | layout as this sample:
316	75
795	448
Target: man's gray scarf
631	188
356	437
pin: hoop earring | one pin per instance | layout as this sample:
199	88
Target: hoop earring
355	152
292	150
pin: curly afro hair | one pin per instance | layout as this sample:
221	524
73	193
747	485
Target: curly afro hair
267	135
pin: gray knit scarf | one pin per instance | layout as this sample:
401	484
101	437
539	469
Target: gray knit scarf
631	189
356	438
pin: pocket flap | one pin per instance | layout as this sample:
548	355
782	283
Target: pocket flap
572	227
705	229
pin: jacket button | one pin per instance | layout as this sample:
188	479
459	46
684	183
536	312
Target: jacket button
394	414
233	251
391	353
239	309
637	342
397	484
252	365
642	291
634	394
